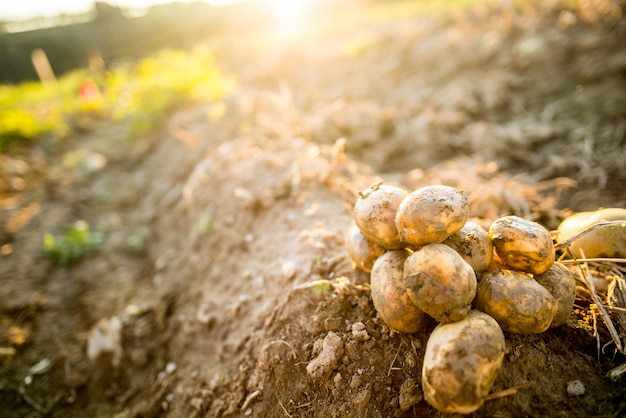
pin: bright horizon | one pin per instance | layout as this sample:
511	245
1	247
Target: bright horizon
27	9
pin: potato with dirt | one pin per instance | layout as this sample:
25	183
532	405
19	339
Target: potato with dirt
522	245
517	301
440	282
431	214
473	244
606	241
391	296
461	362
374	213
363	253
561	284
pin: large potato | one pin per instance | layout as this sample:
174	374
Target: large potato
375	212
516	301
461	362
522	244
473	244
431	214
440	282
561	284
363	253
608	241
390	296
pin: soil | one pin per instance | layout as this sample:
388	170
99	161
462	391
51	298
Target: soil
223	286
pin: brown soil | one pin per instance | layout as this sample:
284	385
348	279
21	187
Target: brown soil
223	286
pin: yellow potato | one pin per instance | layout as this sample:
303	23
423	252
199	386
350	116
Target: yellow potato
517	301
473	244
561	284
522	244
390	296
461	362
375	211
609	241
440	282
363	253
431	214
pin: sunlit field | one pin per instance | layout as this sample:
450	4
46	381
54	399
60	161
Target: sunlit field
126	89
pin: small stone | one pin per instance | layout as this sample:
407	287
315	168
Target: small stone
575	388
359	332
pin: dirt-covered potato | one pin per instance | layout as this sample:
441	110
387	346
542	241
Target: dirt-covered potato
363	253
473	244
431	214
440	282
390	296
608	241
375	211
561	284
517	301
461	362
522	244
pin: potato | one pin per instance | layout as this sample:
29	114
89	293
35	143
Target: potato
609	241
522	244
431	214
375	211
440	282
517	301
473	244
390	296
461	362
561	284
363	253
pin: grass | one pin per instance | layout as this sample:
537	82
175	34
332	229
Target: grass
142	93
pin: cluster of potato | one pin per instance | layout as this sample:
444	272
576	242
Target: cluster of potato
428	261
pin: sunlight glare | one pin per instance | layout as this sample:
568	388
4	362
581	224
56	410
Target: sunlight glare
288	16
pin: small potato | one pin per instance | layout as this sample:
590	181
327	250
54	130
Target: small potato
375	211
608	241
516	301
390	296
431	214
440	282
522	244
473	244
461	362
363	253
561	284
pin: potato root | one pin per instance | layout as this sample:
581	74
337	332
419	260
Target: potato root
608	241
431	214
522	244
461	362
473	244
390	296
440	282
561	284
374	212
517	301
363	252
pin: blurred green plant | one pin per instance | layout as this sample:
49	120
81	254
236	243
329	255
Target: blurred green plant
75	245
141	93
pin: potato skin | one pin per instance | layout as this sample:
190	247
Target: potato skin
602	242
561	284
363	253
431	214
461	362
440	282
374	212
522	244
390	295
516	301
473	244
